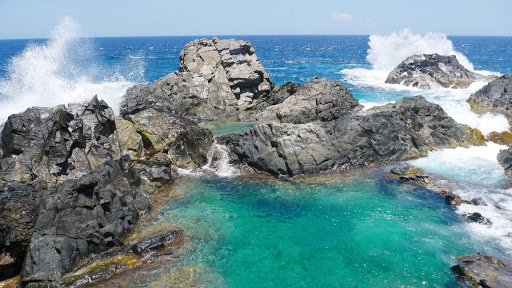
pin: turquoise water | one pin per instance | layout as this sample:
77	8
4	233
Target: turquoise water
356	232
234	127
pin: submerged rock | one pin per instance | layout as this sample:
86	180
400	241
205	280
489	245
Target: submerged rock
495	97
409	174
404	130
156	243
484	271
428	71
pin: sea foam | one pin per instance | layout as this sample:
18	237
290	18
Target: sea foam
63	70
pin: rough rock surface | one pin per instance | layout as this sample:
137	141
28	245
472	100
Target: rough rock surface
505	160
55	144
428	71
403	130
317	100
495	97
484	271
82	217
217	80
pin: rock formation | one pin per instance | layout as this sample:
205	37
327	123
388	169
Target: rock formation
495	97
404	130
428	71
483	271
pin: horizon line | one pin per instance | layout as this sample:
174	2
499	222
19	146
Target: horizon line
235	35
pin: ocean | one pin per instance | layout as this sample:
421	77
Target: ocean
357	230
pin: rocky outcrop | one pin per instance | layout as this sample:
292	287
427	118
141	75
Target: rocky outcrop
495	97
505	160
428	71
317	100
55	144
217	80
486	271
404	130
82	217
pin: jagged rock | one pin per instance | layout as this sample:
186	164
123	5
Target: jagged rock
404	130
130	142
484	271
172	138
478	202
55	144
82	217
428	71
409	174
478	218
155	174
316	100
505	160
156	243
494	97
17	219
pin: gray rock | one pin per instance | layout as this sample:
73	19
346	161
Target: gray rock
484	271
156	243
404	130
82	217
494	97
505	160
478	202
428	71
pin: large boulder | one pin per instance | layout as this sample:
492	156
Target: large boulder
429	71
404	130
82	217
494	97
317	100
55	144
483	271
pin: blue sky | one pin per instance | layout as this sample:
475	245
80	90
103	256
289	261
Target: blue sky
36	19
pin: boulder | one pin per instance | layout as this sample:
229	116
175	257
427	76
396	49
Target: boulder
429	71
55	144
404	130
82	217
317	100
505	160
484	271
157	243
494	97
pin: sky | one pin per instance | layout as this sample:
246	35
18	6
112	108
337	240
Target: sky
98	18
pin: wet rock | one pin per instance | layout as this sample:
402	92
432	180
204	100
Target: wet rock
156	243
452	199
428	71
55	144
505	160
408	173
494	97
484	271
478	218
478	202
82	217
404	130
317	100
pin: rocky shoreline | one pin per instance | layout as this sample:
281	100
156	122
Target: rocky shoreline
76	179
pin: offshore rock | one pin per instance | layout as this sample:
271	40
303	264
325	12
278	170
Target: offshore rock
495	97
317	100
55	144
484	271
429	71
82	217
404	130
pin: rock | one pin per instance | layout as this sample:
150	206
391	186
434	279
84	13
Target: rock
452	199
478	202
505	160
408	173
317	100
11	283
428	71
172	138
484	271
82	217
502	138
155	174
55	144
404	130
495	97
478	218
156	243
130	142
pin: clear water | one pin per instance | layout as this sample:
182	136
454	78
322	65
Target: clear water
358	232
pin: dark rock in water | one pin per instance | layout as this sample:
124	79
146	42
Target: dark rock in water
317	100
82	217
484	271
478	202
408	173
404	130
494	97
428	71
478	218
452	199
156	243
55	144
17	219
505	160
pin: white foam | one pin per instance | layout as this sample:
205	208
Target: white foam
62	70
387	51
